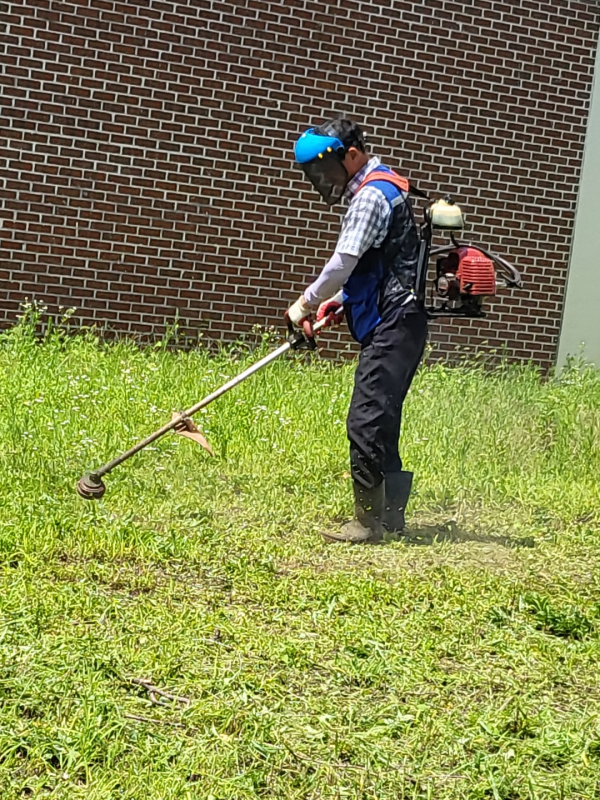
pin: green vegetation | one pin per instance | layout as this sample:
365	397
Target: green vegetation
462	663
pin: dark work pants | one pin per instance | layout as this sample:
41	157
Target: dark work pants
386	367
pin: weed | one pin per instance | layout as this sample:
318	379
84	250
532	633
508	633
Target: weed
457	665
568	622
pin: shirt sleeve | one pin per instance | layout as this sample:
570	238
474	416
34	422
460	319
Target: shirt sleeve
333	276
365	223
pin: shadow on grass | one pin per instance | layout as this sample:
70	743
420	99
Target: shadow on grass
450	532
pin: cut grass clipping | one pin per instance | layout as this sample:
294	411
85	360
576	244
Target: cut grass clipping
191	636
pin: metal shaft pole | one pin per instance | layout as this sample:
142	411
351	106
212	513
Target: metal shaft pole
106	468
91	486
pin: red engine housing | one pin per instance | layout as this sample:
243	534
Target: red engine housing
465	272
476	273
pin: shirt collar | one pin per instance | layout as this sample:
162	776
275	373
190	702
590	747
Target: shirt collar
356	180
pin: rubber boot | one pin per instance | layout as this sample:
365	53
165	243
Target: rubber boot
397	492
366	527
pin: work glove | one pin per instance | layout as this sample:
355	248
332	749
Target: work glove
332	311
299	312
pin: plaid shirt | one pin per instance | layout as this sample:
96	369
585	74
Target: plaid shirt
368	217
365	225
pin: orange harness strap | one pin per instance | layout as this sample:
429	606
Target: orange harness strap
383	175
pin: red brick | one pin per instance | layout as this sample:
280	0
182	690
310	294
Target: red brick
129	180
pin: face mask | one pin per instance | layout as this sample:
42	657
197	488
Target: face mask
321	158
329	177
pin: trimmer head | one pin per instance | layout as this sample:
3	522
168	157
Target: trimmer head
91	487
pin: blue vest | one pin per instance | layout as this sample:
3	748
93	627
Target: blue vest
363	289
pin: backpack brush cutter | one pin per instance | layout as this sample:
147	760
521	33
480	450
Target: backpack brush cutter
465	275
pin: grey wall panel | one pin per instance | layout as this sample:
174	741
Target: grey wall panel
581	320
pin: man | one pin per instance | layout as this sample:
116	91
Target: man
375	260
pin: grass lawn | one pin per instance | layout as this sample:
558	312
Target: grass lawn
463	663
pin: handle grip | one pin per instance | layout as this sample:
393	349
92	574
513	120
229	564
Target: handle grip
305	338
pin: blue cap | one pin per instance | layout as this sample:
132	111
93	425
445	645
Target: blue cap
311	144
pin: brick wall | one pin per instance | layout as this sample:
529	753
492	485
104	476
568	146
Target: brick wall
146	149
